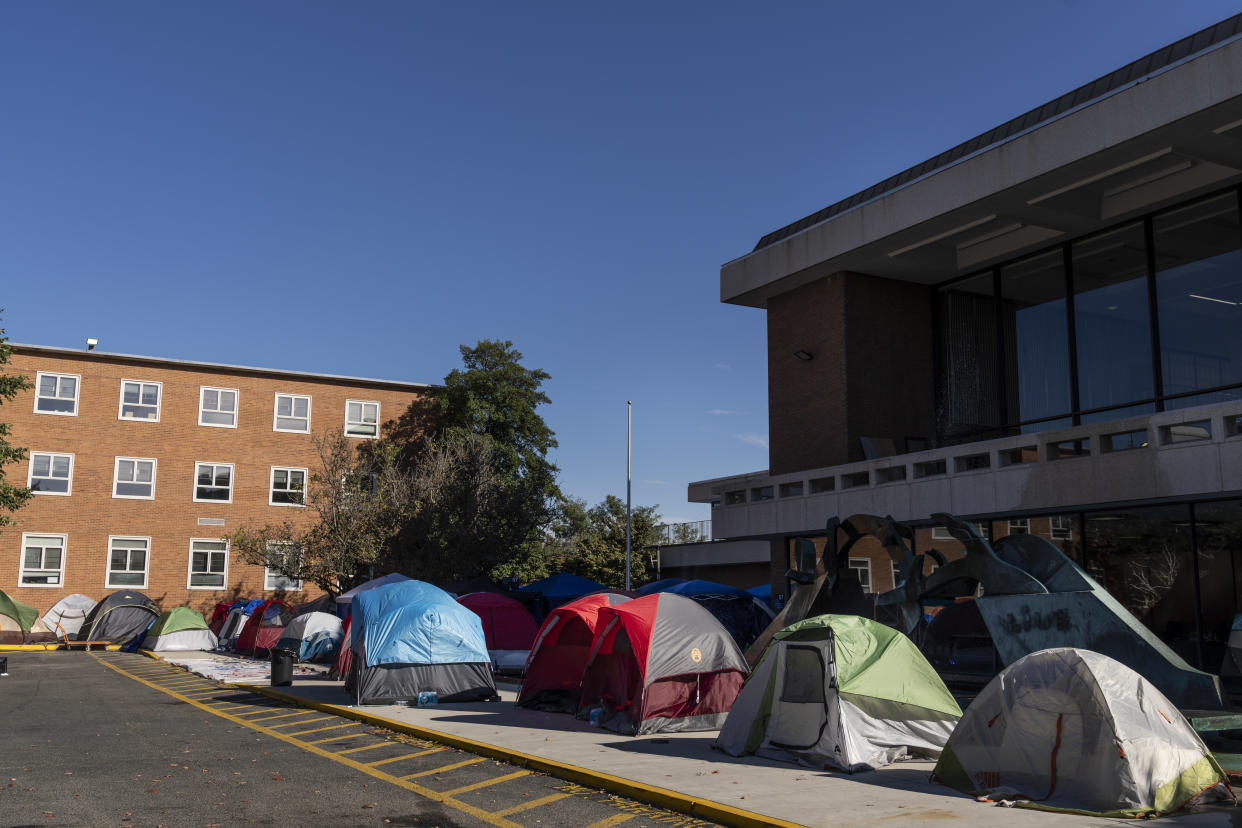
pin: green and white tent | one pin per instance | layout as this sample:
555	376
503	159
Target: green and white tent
841	691
1072	730
20	623
180	628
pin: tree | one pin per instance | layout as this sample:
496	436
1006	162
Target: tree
12	497
358	500
591	542
484	486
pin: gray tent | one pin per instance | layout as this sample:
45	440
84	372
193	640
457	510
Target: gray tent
119	618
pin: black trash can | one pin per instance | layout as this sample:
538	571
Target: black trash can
282	667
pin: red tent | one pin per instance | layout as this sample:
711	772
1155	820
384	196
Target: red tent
219	615
263	627
506	623
344	656
554	670
661	663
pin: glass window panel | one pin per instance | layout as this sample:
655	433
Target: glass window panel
68	387
47	386
204	475
34	557
967	402
301	407
1111	318
222	476
118	559
137	560
144	471
60	466
211	399
51	558
280	479
284	406
217	418
41	464
1036	337
150	394
1199	285
199	561
125	470
1218	530
131	393
355	412
228	400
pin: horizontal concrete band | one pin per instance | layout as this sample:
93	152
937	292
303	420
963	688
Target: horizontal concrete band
651	794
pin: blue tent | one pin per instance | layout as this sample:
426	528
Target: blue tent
697	587
410	637
661	585
763	592
562	588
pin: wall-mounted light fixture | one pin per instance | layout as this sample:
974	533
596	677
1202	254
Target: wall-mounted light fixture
805	356
91	343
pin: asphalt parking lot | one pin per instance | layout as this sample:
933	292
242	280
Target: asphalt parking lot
120	739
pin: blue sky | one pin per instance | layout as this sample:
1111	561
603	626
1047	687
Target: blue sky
385	181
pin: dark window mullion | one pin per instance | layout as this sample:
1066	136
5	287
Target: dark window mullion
1002	366
1072	332
1153	313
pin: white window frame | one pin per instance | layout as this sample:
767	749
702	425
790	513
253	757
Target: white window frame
77	392
202	395
159	401
1061	532
21	564
896	574
869	587
213	464
276	414
1019	526
116	480
363	422
224	576
271	486
51	455
295	585
146	572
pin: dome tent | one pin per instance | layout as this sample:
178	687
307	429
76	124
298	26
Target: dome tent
660	663
844	691
20	623
120	618
1073	730
562	588
408	637
313	636
180	628
506	623
263	627
345	600
68	613
553	679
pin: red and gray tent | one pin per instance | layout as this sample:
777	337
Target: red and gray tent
119	618
264	627
553	679
661	663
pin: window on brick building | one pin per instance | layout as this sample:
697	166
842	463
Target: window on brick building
134	477
50	473
56	393
361	418
1019	526
43	560
217	407
127	562
209	563
863	567
283	552
1062	527
292	413
288	487
213	482
140	401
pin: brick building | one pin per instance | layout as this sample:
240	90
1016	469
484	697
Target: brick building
141	467
1036	330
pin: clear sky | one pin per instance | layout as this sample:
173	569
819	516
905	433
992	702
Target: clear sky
359	188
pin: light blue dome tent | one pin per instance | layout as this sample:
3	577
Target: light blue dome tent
410	637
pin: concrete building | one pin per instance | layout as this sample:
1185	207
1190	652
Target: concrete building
141	467
1037	330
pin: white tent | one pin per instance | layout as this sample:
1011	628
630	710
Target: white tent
232	628
841	691
69	613
1073	730
344	600
314	636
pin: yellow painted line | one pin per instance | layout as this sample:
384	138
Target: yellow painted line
280	716
476	760
319	729
267	708
427	793
364	747
487	783
336	738
406	756
534	803
608	822
308	721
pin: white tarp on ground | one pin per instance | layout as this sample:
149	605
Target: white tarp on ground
232	669
69	612
185	640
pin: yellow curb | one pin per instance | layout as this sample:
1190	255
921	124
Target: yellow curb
651	794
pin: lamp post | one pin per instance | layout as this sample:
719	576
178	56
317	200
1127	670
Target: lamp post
629	419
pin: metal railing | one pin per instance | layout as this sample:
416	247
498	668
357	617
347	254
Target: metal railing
695	531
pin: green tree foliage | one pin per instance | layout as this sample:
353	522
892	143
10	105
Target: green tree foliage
12	497
591	542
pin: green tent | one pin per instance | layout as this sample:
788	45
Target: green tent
844	691
176	620
16	616
180	629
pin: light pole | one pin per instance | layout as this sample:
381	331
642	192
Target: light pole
629	420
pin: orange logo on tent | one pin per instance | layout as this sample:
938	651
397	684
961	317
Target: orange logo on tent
695	655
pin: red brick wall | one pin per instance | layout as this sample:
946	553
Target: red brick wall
96	436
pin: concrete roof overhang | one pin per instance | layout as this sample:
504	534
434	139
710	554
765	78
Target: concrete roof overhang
1161	139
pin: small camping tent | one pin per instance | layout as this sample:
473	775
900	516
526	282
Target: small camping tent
1069	729
409	637
180	628
562	588
554	670
66	615
844	691
739	612
120	618
764	593
20	623
661	585
220	614
324	603
660	663
344	654
506	623
313	636
234	623
345	599
263	627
